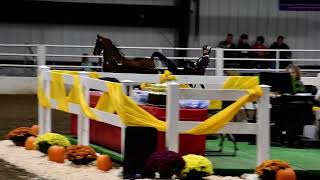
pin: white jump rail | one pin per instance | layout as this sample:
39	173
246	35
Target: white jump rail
44	114
261	128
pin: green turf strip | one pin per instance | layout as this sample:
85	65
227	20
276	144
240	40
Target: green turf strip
304	161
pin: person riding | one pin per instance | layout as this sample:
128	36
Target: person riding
203	62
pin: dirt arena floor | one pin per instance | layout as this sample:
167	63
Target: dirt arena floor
22	110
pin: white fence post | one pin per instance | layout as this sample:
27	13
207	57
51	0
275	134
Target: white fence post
172	113
83	121
277	61
127	87
44	114
41	49
219	62
263	123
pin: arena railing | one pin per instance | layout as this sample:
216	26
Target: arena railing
217	57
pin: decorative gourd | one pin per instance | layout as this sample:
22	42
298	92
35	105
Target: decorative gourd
104	162
30	143
56	153
35	129
286	174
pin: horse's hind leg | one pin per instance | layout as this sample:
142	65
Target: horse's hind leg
222	136
235	145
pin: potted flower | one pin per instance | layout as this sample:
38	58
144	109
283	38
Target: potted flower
45	141
80	154
166	163
20	135
196	167
275	170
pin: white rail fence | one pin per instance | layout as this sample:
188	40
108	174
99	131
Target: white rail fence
217	57
174	126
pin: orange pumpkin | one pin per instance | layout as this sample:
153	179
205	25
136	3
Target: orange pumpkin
56	154
104	162
35	129
286	174
30	143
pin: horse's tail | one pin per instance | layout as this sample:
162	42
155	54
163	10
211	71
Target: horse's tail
170	65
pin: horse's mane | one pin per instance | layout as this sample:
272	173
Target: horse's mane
115	49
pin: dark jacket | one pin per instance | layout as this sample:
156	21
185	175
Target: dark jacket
284	54
243	54
228	54
201	64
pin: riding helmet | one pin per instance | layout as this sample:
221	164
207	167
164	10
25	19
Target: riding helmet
207	47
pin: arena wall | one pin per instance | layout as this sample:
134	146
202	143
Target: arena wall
256	17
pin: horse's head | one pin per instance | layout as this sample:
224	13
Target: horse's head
98	47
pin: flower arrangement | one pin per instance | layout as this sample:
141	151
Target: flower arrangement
80	154
269	168
43	142
196	167
166	163
19	135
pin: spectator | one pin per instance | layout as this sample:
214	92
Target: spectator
279	44
259	44
295	73
228	44
243	44
86	62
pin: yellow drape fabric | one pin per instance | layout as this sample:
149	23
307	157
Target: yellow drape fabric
218	121
82	101
42	98
105	103
167	76
316	108
133	115
241	82
221	119
235	82
58	91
